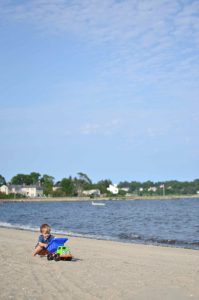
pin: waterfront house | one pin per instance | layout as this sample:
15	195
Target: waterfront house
4	189
95	193
31	191
56	187
125	189
152	189
113	189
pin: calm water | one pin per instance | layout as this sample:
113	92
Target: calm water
171	222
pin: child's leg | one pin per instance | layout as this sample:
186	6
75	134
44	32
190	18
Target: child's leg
38	250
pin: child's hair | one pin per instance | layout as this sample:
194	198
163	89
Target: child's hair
45	226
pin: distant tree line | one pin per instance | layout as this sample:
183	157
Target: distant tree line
68	186
170	187
74	186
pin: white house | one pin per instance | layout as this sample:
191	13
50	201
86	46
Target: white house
4	189
152	189
56	187
31	191
125	189
92	193
113	189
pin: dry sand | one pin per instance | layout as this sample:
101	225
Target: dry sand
102	270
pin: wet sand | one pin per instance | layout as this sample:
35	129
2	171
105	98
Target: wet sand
100	270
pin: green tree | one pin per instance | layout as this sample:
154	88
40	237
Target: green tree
2	180
135	187
102	185
58	193
124	184
27	179
84	178
122	193
83	182
21	179
35	177
47	182
67	187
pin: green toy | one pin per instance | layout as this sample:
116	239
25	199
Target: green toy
57	251
63	250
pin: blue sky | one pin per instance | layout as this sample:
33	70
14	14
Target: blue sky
109	88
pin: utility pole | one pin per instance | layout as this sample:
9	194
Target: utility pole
163	190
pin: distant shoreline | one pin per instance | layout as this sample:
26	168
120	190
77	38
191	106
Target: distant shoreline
76	199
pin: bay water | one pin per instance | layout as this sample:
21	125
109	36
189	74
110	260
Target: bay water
159	222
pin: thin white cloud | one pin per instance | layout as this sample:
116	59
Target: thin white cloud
147	41
101	128
109	20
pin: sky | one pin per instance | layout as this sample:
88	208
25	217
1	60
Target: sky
105	87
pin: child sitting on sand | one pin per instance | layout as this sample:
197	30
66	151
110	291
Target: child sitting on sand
44	239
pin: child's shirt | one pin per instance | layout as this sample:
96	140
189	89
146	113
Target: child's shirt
41	239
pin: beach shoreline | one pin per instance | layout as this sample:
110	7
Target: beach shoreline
101	270
93	237
83	199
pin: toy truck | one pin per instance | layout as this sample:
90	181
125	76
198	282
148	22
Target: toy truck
57	251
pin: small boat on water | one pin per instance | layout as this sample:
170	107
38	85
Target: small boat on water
98	203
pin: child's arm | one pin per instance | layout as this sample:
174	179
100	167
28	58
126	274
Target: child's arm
43	245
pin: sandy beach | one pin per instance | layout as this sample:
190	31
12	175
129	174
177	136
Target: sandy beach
101	270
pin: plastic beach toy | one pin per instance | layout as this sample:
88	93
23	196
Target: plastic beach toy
55	243
57	250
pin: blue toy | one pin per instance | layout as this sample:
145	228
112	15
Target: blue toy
57	250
